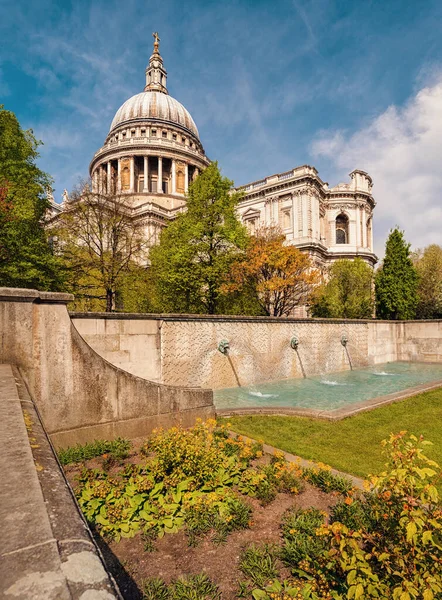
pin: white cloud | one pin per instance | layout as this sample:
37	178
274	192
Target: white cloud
402	150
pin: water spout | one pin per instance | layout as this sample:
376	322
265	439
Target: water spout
344	342
294	343
224	348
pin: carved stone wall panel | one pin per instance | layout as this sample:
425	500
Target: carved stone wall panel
258	351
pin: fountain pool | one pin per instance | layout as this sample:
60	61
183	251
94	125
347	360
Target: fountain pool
331	391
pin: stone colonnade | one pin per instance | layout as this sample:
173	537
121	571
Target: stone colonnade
144	174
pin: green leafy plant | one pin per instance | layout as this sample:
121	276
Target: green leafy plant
299	529
322	477
192	587
220	514
155	588
118	448
357	513
195	587
258	563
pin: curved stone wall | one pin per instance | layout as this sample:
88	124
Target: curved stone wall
80	395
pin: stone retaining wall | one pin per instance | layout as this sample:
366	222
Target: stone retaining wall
80	395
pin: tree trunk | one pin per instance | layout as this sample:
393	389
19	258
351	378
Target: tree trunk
109	300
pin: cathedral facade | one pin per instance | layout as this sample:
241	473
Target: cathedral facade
153	152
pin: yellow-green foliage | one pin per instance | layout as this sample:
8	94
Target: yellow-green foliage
395	553
187	480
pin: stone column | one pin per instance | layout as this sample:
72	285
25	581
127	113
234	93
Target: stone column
132	175
119	175
160	175
173	176
146	174
109	177
186	179
95	181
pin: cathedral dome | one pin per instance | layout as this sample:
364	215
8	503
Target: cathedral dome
156	106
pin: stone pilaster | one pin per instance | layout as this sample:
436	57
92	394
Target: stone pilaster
132	175
160	175
146	174
109	177
173	176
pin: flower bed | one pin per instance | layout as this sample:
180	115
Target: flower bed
196	514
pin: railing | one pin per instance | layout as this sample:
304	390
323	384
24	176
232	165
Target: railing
297	172
286	175
157	141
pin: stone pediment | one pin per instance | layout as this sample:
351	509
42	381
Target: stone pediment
251	213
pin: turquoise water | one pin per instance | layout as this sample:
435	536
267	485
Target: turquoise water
331	391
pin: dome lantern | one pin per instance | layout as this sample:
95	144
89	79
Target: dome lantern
156	74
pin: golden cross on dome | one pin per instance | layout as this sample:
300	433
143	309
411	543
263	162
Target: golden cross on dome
156	42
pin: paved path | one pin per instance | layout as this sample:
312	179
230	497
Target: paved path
46	551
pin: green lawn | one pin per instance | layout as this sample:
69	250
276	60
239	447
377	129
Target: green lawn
353	444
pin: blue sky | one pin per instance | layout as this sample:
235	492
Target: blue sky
270	85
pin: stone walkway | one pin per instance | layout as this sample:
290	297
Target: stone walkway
307	464
46	550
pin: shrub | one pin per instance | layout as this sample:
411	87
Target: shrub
353	515
266	481
201	453
187	481
396	553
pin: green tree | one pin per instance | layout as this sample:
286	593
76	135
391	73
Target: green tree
195	252
348	293
26	257
397	280
428	264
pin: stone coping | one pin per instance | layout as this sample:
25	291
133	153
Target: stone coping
214	318
331	415
30	295
230	318
47	550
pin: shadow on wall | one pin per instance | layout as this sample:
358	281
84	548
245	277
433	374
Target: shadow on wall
80	395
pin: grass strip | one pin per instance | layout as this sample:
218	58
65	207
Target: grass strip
353	444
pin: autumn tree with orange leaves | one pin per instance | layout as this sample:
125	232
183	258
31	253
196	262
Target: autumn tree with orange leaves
281	276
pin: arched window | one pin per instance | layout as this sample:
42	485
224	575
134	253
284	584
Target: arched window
342	229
